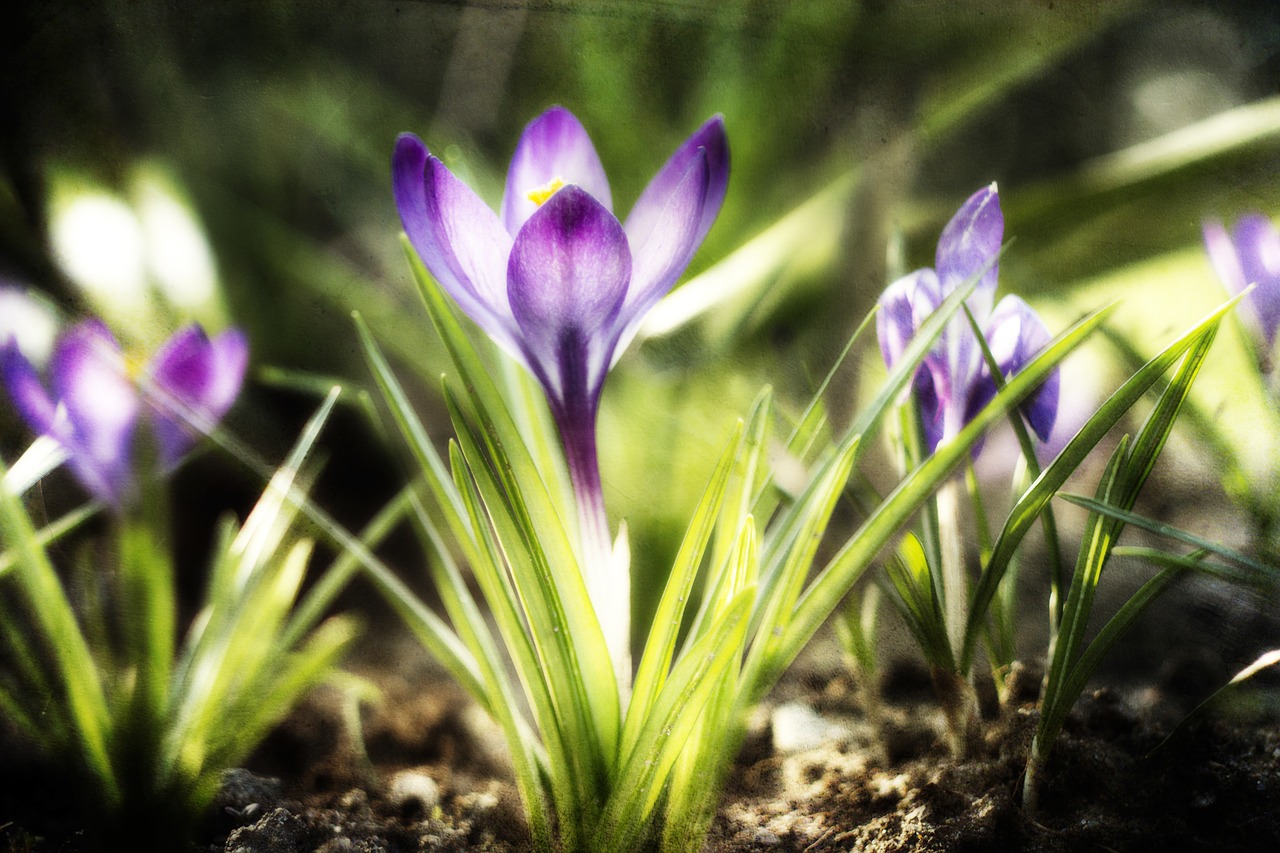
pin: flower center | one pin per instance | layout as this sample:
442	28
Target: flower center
540	195
135	364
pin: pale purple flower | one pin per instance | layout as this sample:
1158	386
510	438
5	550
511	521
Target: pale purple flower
556	279
953	383
94	402
1250	254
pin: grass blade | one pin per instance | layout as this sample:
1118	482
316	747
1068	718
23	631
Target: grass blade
1025	511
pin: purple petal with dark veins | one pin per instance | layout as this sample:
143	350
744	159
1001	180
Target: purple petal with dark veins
1257	248
567	279
904	305
553	147
925	390
969	245
648	209
458	237
1015	335
672	241
194	382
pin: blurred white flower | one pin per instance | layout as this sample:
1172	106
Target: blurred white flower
177	253
124	252
97	241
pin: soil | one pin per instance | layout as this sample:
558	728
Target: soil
426	772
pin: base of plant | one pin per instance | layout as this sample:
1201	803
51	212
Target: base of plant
959	703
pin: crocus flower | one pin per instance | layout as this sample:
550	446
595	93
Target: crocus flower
555	278
953	383
94	402
1250	254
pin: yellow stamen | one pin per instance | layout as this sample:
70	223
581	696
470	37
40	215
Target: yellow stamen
135	364
546	191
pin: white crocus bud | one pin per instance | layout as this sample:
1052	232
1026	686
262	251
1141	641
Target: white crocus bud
176	250
97	241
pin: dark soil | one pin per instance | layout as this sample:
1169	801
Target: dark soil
1216	786
429	774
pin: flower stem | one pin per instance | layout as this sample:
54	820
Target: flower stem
956	693
608	580
955	596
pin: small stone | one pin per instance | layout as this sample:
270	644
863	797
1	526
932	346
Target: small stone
766	838
414	791
798	727
278	830
245	794
479	802
337	845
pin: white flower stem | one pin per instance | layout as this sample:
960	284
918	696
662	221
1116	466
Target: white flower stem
955	592
607	574
954	689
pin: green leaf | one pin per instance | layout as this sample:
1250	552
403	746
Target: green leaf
660	645
1027	509
1094	548
519	485
785	530
807	430
51	533
1264	571
917	602
794	560
667	728
88	712
843	570
1264	661
544	572
491	687
1057	571
1130	465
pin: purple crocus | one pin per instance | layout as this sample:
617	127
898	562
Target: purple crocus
953	383
1250	254
94	401
555	278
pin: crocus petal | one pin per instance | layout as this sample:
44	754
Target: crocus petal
554	147
458	237
194	382
1015	334
709	139
90	380
1257	248
930	404
904	305
567	278
663	257
969	246
1223	257
28	393
96	409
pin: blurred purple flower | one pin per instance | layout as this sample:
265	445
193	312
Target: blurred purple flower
953	383
557	280
1250	254
96	401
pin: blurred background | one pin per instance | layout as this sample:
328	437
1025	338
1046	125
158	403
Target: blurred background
229	162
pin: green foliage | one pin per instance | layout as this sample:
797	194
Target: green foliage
1071	661
591	774
154	726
